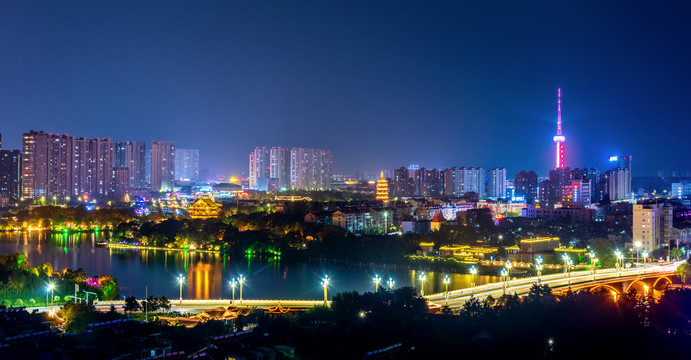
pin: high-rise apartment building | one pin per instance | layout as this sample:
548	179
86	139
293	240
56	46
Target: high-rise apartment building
619	179
496	183
47	165
187	164
403	185
135	160
279	166
310	169
121	181
526	185
162	165
681	189
10	174
471	180
260	167
652	226
120	155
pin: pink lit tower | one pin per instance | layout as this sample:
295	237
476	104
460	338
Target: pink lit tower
559	138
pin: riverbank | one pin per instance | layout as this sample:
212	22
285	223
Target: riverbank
145	247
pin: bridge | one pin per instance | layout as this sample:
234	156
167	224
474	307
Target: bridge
643	279
190	305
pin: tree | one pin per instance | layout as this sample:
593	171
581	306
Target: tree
131	304
684	273
164	303
604	252
675	253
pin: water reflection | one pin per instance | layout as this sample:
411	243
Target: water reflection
208	275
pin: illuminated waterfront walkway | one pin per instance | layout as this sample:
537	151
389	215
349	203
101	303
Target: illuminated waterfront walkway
559	281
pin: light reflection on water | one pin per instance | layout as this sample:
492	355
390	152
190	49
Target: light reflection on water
207	276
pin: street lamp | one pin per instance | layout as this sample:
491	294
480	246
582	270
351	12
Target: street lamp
508	269
566	260
473	272
638	246
391	284
241	281
592	261
325	284
233	284
538	267
181	280
51	287
447	280
422	277
645	258
504	274
377	280
617	253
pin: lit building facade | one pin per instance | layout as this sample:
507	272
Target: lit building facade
652	225
526	185
496	183
311	169
382	189
187	164
279	166
10	174
162	165
121	182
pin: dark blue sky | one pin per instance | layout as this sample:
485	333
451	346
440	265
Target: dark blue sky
380	83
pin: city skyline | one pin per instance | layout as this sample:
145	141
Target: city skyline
470	84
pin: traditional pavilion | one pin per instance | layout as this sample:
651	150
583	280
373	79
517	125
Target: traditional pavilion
204	208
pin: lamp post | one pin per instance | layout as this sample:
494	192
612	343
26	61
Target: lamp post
617	253
508	270
566	260
181	280
325	284
473	272
504	274
422	277
391	284
241	281
51	287
569	263
538	267
638	246
645	259
233	284
447	280
377	280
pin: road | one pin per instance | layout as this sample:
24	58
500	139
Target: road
555	281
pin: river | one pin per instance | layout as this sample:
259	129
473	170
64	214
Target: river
207	276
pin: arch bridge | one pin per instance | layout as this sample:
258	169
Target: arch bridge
645	284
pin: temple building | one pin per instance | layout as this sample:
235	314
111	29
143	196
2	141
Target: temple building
204	208
382	188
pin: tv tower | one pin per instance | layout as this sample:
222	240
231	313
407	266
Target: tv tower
559	138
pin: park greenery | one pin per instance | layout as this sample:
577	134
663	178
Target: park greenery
24	285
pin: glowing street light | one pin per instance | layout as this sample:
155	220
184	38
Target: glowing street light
645	258
233	284
638	247
447	280
508	268
504	274
422	277
325	284
620	257
241	281
473	272
538	267
391	283
566	262
377	280
50	288
181	280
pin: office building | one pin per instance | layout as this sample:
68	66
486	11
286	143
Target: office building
652	226
162	165
187	164
496	183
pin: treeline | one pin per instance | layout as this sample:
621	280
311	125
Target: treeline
539	325
24	285
65	218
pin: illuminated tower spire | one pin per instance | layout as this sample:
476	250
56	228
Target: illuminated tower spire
559	138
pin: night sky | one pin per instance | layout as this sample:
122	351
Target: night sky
382	84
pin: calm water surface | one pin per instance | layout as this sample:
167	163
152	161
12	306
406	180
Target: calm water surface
208	275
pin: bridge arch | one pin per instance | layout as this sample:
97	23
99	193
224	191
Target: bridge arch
604	286
669	281
641	285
